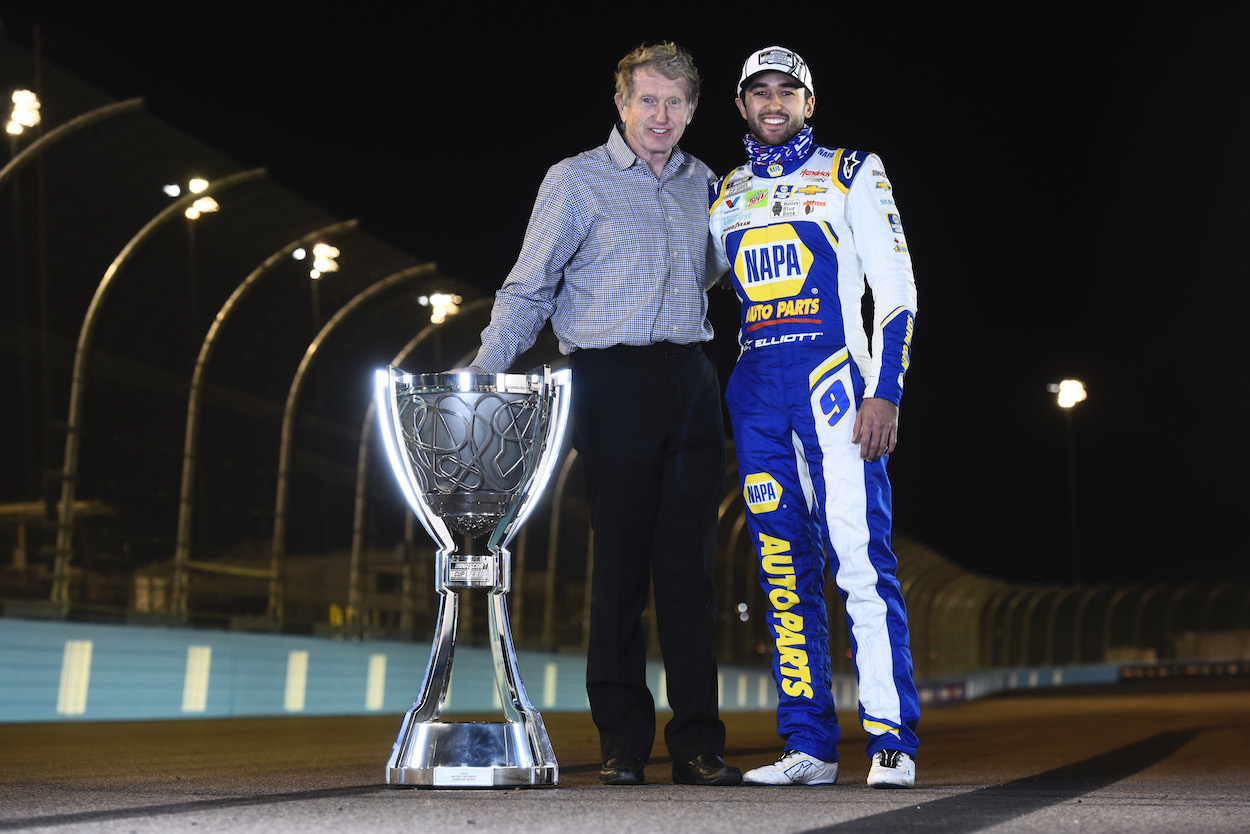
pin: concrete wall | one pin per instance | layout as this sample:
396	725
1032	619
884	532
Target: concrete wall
51	671
58	671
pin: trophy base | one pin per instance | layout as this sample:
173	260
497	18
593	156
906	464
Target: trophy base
467	755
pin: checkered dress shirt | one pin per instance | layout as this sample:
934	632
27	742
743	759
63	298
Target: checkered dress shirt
612	255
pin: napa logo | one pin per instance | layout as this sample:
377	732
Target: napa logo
761	492
772	262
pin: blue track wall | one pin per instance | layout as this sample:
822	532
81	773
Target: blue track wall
51	671
58	671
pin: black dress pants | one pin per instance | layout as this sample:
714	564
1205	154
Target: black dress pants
647	424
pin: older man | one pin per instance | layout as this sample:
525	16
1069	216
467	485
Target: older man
616	257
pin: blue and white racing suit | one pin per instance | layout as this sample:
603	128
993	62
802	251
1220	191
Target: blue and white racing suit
799	238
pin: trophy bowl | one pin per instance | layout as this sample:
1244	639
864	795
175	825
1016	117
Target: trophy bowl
472	452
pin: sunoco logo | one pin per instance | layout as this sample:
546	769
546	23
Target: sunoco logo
761	492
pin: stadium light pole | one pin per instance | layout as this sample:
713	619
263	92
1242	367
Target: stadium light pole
78	384
183	564
26	109
354	596
1069	393
278	549
25	114
325	259
203	205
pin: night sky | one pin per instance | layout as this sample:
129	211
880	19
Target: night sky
1068	182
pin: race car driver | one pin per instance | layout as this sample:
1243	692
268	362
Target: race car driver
814	403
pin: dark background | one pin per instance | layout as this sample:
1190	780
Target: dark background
1070	184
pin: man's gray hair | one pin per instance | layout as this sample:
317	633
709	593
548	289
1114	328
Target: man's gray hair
668	59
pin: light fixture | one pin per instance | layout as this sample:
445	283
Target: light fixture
203	205
444	304
25	112
1070	391
196	185
325	259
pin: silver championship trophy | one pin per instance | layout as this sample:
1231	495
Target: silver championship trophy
472	453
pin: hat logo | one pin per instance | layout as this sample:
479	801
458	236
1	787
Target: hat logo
778	56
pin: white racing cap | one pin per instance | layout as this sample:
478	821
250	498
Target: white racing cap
777	59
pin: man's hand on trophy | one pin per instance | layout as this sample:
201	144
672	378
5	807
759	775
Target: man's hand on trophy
467	369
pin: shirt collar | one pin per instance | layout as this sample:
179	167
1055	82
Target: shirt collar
623	155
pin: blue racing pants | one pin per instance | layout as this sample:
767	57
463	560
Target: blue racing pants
813	503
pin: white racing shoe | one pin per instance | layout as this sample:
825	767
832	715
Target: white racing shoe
793	768
892	769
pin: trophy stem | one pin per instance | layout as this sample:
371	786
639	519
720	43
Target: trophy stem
429	704
516	703
430	752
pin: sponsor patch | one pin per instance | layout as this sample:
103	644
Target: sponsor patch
761	492
849	163
786	208
738	186
778	565
759	315
771	263
755	199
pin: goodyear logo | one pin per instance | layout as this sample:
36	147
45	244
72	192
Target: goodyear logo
772	263
761	492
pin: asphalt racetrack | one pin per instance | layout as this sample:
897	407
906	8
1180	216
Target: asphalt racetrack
1144	757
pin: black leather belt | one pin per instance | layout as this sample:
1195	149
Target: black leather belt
659	350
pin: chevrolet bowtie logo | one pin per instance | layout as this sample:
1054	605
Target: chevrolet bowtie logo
810	189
